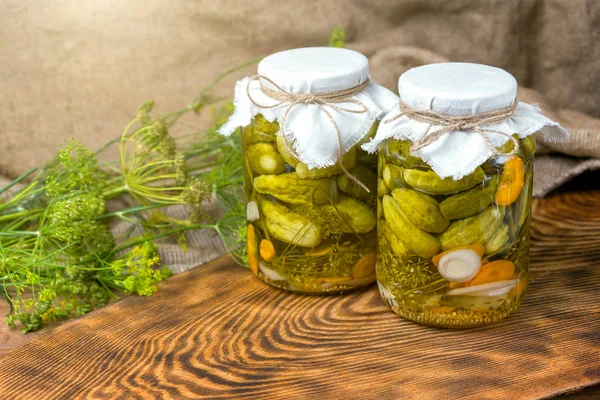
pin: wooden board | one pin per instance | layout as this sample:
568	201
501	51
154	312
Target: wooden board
217	332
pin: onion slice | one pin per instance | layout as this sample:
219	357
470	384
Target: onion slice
492	289
460	265
269	273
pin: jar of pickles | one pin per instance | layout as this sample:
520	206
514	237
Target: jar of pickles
310	188
454	194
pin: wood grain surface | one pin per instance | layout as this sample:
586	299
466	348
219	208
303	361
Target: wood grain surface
217	332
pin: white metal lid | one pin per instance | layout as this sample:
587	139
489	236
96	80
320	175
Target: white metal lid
315	69
457	88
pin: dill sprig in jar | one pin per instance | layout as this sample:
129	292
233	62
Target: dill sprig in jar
310	188
454	193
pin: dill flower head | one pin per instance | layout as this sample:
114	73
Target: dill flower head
75	168
71	223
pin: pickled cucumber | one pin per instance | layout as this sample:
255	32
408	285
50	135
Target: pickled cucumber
393	176
365	175
364	158
520	209
470	202
397	246
430	183
265	159
291	189
495	239
382	188
527	147
355	216
416	240
290	227
471	230
285	153
398	152
349	161
420	209
260	130
347	215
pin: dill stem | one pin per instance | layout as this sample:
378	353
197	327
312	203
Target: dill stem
24	213
141	240
17	180
115	192
129	211
20	233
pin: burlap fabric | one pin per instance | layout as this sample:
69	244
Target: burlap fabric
81	68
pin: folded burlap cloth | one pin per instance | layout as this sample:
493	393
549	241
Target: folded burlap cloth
555	163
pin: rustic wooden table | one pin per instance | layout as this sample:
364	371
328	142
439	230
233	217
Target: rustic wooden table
217	332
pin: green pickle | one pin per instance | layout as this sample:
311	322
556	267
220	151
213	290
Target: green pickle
303	172
265	159
315	230
452	253
260	130
366	176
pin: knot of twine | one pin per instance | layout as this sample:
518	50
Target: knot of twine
453	123
320	100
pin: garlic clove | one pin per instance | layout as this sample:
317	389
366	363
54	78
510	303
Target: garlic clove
492	289
252	213
460	265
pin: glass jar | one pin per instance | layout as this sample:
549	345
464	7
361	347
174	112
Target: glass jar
454	253
455	174
310	188
309	231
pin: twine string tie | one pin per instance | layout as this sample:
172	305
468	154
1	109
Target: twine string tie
451	123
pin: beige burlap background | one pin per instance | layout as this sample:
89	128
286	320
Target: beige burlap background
80	68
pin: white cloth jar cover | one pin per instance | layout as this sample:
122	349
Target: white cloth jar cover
308	130
461	89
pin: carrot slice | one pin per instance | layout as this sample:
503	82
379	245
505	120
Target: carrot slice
365	266
494	271
478	248
252	248
511	182
267	250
